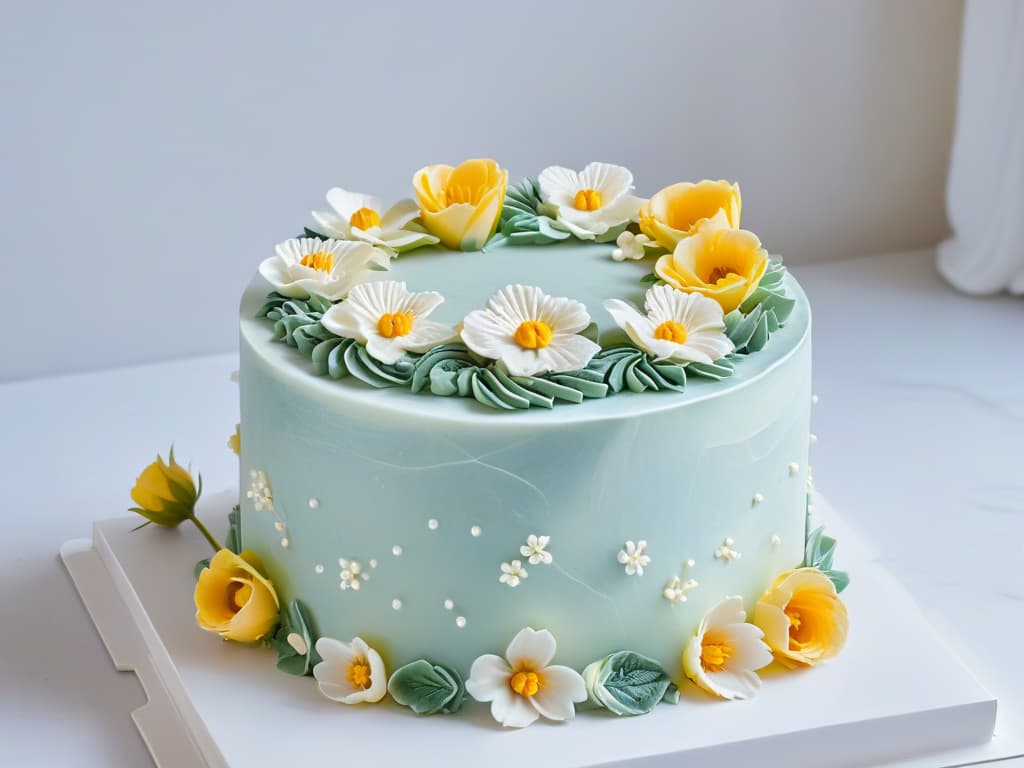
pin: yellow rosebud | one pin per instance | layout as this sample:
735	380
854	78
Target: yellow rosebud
461	205
802	618
723	264
234	598
235	440
677	211
165	493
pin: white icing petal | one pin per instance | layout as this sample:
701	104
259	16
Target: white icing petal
562	687
346	203
488	677
558	185
399	214
612	181
512	710
531	646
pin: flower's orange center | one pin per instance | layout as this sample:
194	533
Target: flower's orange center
723	274
359	674
321	261
396	324
238	595
533	334
365	218
525	683
670	330
587	200
714	655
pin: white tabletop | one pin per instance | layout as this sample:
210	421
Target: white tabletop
921	404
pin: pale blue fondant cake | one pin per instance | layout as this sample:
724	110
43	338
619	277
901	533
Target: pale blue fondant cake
536	447
431	495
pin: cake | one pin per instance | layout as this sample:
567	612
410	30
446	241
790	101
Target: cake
540	445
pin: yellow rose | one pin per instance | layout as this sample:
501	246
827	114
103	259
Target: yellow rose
461	206
678	211
723	264
234	598
802	618
165	493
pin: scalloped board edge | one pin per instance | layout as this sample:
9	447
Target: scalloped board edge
177	736
170	741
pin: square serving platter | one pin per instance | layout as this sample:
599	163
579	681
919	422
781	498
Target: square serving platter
897	694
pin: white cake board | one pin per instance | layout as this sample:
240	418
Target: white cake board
897	694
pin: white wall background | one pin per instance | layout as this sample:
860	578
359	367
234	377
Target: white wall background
152	154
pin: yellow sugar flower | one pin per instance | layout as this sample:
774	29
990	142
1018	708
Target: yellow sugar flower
461	205
721	263
234	599
677	211
235	440
802	617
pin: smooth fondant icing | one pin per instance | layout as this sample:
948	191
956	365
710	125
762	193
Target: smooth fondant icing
440	492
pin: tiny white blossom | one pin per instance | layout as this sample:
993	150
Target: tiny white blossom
633	557
259	491
630	246
351	573
726	552
512	573
676	589
534	549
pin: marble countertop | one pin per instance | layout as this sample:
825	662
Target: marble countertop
920	412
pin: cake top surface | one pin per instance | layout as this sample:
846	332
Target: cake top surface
565	289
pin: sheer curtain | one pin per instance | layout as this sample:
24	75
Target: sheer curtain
985	196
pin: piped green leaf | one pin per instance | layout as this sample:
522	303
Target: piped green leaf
628	683
427	688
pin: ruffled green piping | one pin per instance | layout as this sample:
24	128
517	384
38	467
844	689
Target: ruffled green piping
452	370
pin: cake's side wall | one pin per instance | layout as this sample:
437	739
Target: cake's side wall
431	511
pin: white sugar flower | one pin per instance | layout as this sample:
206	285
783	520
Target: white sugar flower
633	557
259	491
388	319
725	654
590	202
512	573
354	216
682	327
630	246
351	573
530	332
522	686
350	672
534	548
327	268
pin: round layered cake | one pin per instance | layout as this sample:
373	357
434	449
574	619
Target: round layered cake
435	501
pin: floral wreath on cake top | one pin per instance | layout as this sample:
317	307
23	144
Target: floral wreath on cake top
799	621
715	296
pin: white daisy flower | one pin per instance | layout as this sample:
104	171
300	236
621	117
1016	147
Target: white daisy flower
633	557
530	332
534	548
388	319
682	327
350	672
630	246
328	268
590	202
525	685
354	216
512	573
722	658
